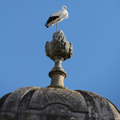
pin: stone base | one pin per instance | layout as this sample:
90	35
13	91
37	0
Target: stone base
57	78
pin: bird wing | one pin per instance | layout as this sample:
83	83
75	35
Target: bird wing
59	13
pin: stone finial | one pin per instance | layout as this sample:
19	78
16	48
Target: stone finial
58	50
59	46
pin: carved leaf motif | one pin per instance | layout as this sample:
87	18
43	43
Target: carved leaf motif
59	46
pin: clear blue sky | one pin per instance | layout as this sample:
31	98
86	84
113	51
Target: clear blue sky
93	27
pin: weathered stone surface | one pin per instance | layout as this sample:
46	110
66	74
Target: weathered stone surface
115	110
24	103
13	100
10	106
46	96
8	116
99	107
34	103
54	117
57	79
58	50
57	74
102	106
2	100
59	46
92	110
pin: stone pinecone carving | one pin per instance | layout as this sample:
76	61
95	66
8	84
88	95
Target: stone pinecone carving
59	46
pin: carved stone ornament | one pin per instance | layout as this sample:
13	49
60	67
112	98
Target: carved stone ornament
58	50
59	46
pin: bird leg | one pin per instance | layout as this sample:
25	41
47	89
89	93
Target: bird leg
56	27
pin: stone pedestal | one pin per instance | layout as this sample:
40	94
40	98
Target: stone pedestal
57	74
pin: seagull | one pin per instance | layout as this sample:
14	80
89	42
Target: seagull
57	17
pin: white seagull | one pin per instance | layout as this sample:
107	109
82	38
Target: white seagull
57	17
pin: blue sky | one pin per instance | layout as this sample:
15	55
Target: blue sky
93	27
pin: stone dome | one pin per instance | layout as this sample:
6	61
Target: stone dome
35	103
